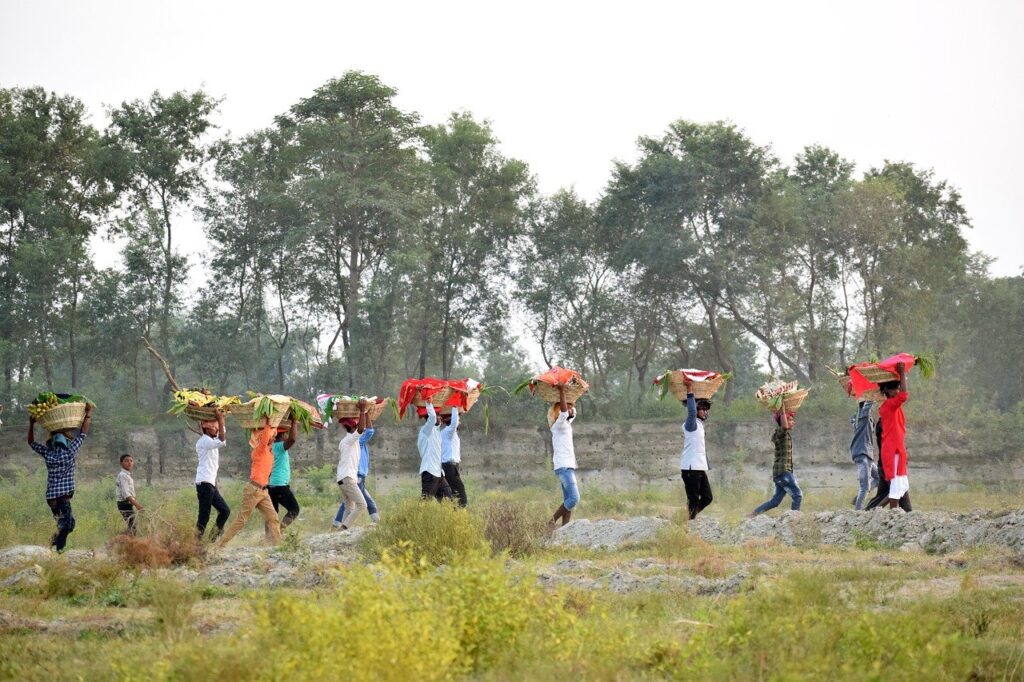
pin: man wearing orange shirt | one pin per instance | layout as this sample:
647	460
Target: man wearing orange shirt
255	495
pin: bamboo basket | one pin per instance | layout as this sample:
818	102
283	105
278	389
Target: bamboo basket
873	394
471	399
316	421
438	399
350	410
63	416
201	414
876	374
244	414
549	393
702	390
791	402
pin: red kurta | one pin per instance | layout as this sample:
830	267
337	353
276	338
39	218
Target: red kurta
894	431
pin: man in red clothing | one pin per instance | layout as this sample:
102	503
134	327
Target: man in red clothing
255	495
894	451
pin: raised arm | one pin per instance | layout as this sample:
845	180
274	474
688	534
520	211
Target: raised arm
31	431
431	413
222	433
293	433
455	418
362	416
87	419
901	369
562	404
691	406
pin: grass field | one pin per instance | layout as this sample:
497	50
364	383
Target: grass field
808	612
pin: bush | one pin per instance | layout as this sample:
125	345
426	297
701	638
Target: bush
142	552
509	526
437	533
82	581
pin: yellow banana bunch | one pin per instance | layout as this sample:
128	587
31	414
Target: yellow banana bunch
42	404
226	400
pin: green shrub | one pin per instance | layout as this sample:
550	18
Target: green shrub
437	533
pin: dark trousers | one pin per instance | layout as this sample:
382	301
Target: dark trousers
128	514
882	494
209	496
282	496
698	491
434	486
454	479
60	507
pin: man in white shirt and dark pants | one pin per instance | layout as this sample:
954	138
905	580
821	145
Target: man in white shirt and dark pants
208	449
563	458
694	461
451	455
432	481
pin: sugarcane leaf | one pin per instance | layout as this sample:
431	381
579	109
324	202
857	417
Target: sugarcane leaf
926	364
519	389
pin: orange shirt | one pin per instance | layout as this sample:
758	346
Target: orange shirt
262	455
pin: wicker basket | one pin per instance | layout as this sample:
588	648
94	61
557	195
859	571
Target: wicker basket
876	374
471	399
244	414
63	416
549	393
349	409
201	414
702	390
791	402
872	394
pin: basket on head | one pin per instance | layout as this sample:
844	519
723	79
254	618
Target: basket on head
844	382
244	414
549	393
201	414
791	402
876	374
349	409
471	398
702	390
63	416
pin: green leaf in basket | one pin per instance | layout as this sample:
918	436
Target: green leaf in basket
519	389
926	364
302	415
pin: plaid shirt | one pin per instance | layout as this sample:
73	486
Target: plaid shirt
60	467
783	440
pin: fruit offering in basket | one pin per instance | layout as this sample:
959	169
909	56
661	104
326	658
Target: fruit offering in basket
781	395
200	404
867	376
703	384
58	411
544	385
338	406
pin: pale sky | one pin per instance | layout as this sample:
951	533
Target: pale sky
569	87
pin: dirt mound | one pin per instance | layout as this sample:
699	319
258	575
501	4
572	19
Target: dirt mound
608	533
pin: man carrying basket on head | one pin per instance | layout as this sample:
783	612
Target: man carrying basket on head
693	463
60	455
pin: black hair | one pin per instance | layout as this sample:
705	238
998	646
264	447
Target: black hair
703	404
889	385
124	456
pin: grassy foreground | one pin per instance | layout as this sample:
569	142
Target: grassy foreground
445	594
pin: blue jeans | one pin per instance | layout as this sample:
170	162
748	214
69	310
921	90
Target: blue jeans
784	483
371	506
867	477
570	491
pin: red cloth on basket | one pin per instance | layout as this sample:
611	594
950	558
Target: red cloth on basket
431	385
859	384
554	376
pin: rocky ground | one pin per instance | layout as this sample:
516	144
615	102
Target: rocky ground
310	562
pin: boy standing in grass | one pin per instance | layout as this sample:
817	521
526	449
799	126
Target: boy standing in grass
563	458
279	484
255	495
894	450
364	471
860	450
782	469
348	467
60	455
126	502
211	440
451	454
693	463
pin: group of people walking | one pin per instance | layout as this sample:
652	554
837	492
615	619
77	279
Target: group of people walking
268	487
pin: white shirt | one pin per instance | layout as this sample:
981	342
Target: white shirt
348	456
125	485
694	456
208	449
451	444
563	455
429	443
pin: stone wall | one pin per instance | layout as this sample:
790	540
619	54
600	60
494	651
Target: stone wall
622	455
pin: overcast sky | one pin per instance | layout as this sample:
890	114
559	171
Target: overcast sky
570	86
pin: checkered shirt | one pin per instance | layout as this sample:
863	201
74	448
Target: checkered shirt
783	440
60	466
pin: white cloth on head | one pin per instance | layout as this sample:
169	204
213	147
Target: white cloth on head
208	449
563	454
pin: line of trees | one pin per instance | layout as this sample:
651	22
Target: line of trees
352	245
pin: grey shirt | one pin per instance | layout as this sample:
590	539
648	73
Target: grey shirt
125	485
863	427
